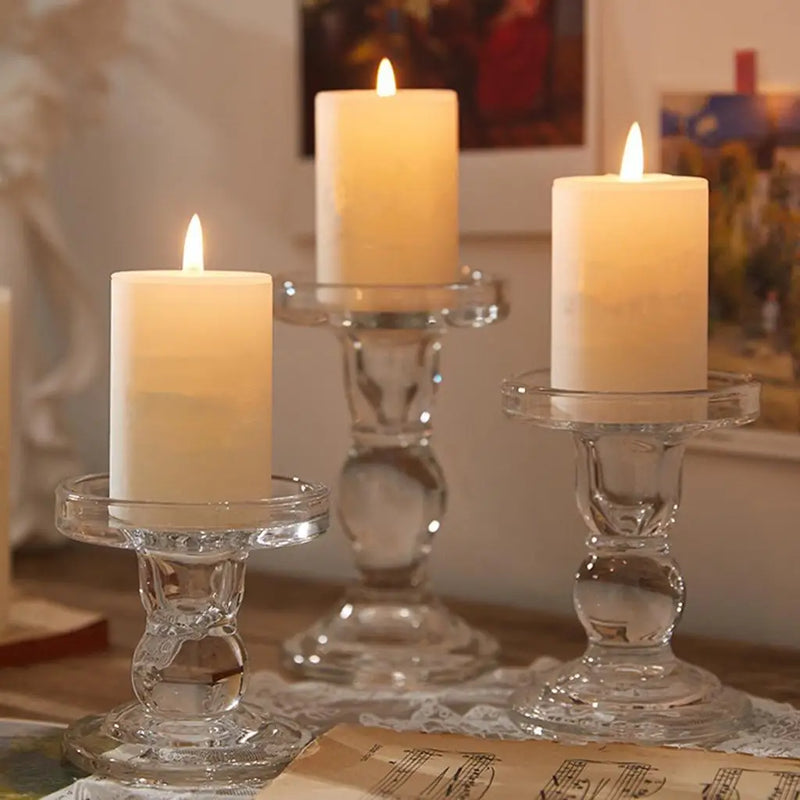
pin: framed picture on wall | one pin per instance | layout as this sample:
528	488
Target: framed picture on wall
525	75
748	147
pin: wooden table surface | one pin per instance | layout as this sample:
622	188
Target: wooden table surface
275	606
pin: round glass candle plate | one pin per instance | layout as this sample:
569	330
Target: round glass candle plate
629	591
728	400
189	725
296	513
472	302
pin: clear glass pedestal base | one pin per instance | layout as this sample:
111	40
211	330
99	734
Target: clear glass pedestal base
671	702
380	639
389	630
190	725
629	592
133	745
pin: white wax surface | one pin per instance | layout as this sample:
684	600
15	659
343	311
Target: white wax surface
191	383
387	187
630	283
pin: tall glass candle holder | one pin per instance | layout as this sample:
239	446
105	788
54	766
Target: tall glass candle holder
389	629
189	724
629	592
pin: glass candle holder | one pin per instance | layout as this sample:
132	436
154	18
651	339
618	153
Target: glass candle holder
189	724
629	592
389	629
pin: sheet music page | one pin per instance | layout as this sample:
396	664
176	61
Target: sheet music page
355	763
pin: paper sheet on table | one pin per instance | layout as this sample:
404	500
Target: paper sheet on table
355	763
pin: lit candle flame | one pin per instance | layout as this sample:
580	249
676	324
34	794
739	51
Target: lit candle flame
632	167
385	84
193	247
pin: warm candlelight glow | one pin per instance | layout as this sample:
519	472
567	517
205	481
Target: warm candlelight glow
193	247
632	167
386	86
406	165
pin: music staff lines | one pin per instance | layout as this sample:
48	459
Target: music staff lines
453	782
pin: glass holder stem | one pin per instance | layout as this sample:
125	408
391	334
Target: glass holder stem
392	491
191	661
389	628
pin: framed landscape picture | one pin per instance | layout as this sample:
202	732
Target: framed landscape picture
748	146
523	73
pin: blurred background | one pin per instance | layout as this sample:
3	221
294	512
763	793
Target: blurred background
203	114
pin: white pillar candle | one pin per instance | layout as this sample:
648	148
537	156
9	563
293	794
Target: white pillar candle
191	381
630	280
387	185
5	454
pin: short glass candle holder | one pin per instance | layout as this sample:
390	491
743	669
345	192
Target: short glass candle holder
389	629
629	592
189	724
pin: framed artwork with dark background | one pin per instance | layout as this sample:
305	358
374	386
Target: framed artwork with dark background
517	65
522	70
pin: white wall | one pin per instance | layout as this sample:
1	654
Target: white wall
201	119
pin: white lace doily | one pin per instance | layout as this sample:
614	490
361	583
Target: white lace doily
477	708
